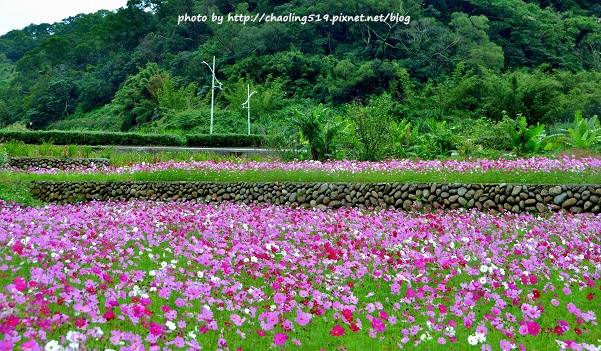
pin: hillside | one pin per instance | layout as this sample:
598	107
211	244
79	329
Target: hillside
138	69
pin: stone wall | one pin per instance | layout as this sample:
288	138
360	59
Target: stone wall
511	197
49	162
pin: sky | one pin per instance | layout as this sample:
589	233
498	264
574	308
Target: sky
17	14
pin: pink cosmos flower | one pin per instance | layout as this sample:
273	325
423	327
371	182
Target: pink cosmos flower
279	298
302	318
30	345
280	339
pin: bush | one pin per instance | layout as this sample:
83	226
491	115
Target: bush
3	157
224	140
131	139
92	138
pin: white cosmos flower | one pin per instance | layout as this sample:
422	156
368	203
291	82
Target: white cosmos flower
472	340
170	325
163	264
52	345
253	259
200	274
480	337
483	268
482	280
152	273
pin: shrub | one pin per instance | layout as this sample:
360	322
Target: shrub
224	140
3	157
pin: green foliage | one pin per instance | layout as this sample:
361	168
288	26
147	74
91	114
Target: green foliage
527	139
372	127
483	137
50	138
3	156
137	99
91	138
137	70
585	134
320	130
409	141
440	137
224	140
175	99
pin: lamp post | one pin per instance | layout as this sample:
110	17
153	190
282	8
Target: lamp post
213	90
247	104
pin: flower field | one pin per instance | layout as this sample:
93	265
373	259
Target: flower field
533	164
155	276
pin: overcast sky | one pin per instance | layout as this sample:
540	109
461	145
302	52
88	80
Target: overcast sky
17	14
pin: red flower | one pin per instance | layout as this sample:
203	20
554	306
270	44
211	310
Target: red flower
80	322
337	330
590	296
109	314
347	314
354	327
536	294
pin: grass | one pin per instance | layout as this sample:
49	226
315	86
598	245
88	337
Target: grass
17	192
557	177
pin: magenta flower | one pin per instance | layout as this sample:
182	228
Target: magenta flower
533	328
30	345
280	339
378	325
337	330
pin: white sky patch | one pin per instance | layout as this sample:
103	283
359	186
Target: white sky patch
19	14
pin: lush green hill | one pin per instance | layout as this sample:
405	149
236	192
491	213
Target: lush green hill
137	69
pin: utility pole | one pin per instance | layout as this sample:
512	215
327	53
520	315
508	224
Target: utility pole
213	90
247	104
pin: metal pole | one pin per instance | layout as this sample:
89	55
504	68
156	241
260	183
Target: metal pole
212	95
247	104
213	80
248	92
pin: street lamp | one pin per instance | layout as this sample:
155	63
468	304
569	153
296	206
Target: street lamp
247	103
213	90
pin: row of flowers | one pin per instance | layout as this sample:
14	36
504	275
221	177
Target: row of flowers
537	164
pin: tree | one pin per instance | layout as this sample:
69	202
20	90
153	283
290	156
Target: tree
137	99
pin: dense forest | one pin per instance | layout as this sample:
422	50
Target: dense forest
455	63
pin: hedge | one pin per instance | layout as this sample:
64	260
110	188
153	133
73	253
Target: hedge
224	140
130	139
